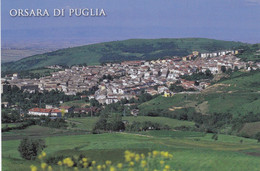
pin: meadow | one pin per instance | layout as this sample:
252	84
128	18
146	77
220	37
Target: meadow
191	150
251	128
76	103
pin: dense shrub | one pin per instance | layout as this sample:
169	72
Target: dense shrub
30	148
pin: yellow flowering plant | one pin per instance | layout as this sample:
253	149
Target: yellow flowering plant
154	161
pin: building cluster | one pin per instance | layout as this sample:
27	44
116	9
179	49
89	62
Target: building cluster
53	111
127	79
219	53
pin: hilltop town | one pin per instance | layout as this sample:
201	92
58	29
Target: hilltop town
116	81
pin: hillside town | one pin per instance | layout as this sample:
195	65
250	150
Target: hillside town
113	82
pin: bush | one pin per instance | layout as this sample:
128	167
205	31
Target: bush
215	137
257	136
30	148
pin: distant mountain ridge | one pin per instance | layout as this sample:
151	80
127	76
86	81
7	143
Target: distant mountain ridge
116	51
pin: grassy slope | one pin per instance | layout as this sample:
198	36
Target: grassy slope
238	95
203	154
251	53
250	128
121	50
17	54
76	103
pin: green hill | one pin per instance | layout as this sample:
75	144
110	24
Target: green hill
251	53
237	95
133	49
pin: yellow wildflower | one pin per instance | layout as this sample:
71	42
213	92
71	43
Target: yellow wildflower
108	162
162	162
49	168
167	167
166	154
33	168
103	166
127	152
131	163
43	154
59	163
85	165
43	165
99	167
155	153
142	156
137	157
75	168
112	168
93	162
90	168
68	162
127	158
119	165
143	163
40	157
84	159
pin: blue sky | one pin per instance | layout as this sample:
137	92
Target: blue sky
236	20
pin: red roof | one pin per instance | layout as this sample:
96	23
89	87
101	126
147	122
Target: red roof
44	110
40	110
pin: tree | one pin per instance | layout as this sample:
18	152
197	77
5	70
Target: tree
196	83
223	69
109	122
94	102
236	68
176	88
257	136
30	148
229	71
208	73
114	123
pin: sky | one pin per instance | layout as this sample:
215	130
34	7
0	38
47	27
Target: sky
234	20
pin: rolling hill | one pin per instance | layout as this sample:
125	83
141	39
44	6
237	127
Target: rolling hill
133	49
237	95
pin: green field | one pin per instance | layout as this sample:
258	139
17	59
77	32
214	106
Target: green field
76	103
251	128
37	132
191	150
84	123
134	49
